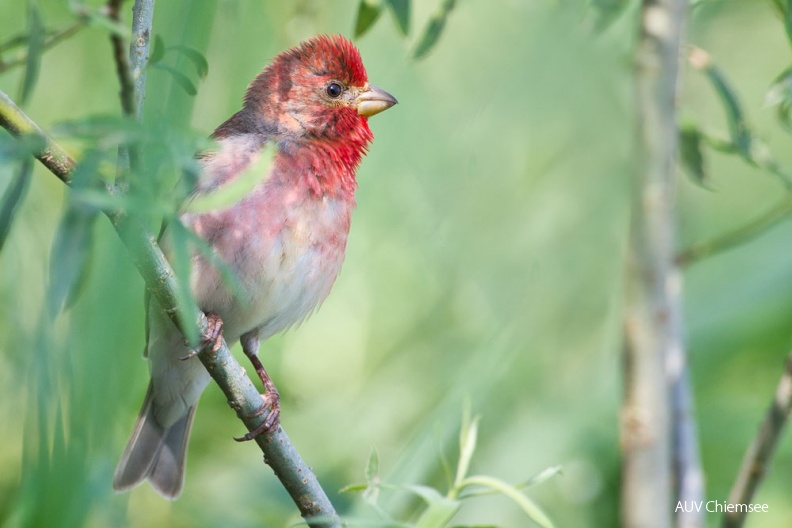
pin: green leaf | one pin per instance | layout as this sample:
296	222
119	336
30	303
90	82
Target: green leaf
195	56
157	50
780	95
35	49
433	29
607	12
228	275
100	20
352	488
235	190
788	19
181	258
368	13
372	468
401	13
526	505
738	126
691	155
440	510
182	80
468	436
70	257
13	197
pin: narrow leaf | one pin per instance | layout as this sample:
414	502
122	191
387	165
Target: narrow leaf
468	437
738	126
433	29
354	488
35	49
157	50
195	56
401	13
691	155
788	19
526	505
182	80
13	197
232	192
69	258
368	13
372	468
181	257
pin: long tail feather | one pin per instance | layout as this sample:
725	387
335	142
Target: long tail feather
155	453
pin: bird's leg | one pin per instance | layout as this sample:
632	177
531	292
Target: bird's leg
250	345
213	335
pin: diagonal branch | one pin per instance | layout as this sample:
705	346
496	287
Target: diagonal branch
279	452
760	452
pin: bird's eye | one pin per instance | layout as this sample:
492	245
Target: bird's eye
334	90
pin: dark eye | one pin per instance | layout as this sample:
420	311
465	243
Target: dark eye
334	90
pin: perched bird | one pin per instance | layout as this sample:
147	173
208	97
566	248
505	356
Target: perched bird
285	240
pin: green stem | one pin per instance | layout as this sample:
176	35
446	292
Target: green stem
741	235
279	452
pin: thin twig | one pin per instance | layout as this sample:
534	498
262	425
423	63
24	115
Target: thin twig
127	84
738	236
52	40
761	450
279	452
653	328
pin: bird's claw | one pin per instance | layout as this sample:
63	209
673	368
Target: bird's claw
212	336
271	402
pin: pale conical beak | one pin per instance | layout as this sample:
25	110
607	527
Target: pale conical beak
373	101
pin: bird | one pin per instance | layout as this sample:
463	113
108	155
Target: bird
285	240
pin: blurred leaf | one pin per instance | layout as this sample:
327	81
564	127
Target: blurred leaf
526	505
780	95
195	56
738	127
180	258
372	468
227	274
433	29
13	196
70	257
21	148
181	79
440	509
106	131
368	13
607	12
401	12
97	18
787	14
541	477
468	437
35	48
232	192
691	155
157	50
351	488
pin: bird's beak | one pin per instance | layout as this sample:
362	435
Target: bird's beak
374	100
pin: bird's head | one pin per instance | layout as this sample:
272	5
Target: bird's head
317	90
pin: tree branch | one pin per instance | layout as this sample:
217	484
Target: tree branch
279	452
761	450
656	404
127	84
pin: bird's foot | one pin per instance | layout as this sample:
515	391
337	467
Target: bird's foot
270	402
212	336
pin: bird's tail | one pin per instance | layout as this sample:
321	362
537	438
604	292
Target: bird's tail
155	453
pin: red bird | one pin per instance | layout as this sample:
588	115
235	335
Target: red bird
285	240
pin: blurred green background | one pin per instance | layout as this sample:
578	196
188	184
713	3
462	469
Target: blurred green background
485	265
